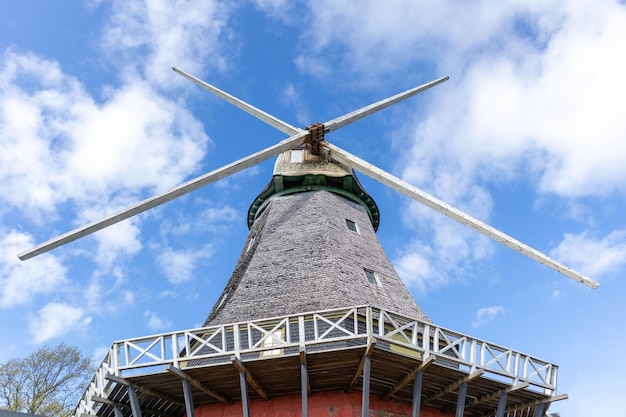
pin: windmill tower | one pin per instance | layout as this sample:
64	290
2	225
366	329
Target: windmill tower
314	319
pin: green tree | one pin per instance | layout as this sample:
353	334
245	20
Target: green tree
49	382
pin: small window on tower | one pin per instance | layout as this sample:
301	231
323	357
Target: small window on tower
296	156
352	226
371	277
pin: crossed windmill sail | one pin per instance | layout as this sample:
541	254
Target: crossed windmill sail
314	135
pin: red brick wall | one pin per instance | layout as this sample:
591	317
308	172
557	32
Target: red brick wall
325	404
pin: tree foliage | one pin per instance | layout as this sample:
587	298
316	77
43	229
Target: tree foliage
49	382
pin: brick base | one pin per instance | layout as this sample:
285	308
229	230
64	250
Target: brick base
325	404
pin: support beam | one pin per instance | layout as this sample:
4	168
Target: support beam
460	400
454	386
410	376
119	405
365	394
417	394
549	400
198	384
303	361
249	377
305	389
502	404
245	398
103	400
117	411
145	390
539	411
492	396
189	407
368	352
134	401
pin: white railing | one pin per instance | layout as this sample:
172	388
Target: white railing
316	331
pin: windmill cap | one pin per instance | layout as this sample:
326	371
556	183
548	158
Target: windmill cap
298	170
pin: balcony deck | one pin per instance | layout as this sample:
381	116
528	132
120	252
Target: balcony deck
333	348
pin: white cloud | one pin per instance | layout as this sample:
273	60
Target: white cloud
596	257
212	219
417	271
21	281
156	323
283	10
534	96
486	314
448	256
119	240
188	34
512	98
99	354
292	98
179	266
397	33
57	320
56	143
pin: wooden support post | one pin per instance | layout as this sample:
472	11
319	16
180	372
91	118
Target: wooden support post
305	396
134	401
245	399
189	407
368	352
117	411
540	410
409	377
460	402
249	377
365	404
198	384
304	383
502	404
417	394
545	401
145	390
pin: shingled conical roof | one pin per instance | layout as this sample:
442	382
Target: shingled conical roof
312	246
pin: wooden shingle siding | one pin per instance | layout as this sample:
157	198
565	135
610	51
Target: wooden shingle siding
304	258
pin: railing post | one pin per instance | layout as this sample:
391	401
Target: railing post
224	339
473	355
553	376
370	324
115	359
426	340
516	367
175	350
236	341
525	369
301	331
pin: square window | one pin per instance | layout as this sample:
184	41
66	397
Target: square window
371	277
296	156
352	226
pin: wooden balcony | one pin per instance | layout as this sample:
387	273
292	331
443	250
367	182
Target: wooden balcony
357	348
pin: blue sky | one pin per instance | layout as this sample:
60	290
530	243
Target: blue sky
528	135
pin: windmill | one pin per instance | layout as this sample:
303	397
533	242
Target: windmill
285	326
314	137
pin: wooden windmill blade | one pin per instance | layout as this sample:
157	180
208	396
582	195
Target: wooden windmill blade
314	136
403	187
299	136
187	187
455	214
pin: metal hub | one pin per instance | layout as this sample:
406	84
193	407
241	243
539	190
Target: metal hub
316	135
